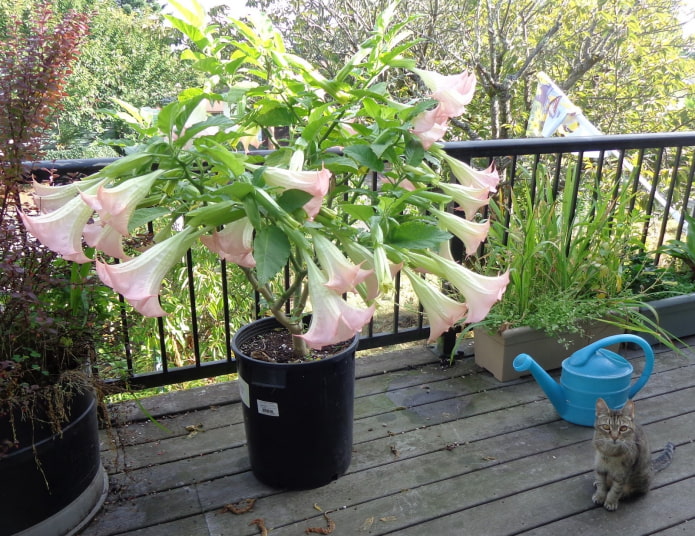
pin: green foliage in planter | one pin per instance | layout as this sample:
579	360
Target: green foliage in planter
684	250
657	281
564	245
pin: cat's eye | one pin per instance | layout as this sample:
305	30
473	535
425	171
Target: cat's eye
623	428
605	427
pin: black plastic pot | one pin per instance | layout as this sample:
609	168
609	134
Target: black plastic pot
298	417
52	484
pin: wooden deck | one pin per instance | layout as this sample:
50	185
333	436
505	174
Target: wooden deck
437	451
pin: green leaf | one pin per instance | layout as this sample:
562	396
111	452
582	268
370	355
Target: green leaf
280	157
316	122
271	249
386	140
372	107
192	31
143	216
223	157
361	212
274	114
166	118
337	164
414	152
690	235
417	235
364	156
192	12
197	128
126	165
291	200
238	190
214	215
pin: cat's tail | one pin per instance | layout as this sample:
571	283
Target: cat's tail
663	460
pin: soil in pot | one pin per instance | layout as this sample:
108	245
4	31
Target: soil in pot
276	347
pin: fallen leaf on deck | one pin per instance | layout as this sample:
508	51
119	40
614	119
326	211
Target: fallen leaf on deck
193	429
322	530
387	519
241	507
261	526
367	524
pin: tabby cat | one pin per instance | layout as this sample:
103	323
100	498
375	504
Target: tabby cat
624	465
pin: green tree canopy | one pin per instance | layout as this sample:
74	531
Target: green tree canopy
130	54
603	53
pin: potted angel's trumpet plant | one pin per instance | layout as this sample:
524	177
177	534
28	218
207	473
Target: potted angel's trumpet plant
306	205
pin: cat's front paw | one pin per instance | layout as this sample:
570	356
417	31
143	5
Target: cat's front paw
599	497
611	506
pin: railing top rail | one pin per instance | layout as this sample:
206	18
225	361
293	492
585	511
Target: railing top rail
514	147
479	148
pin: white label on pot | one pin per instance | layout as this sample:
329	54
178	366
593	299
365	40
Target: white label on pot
268	408
244	392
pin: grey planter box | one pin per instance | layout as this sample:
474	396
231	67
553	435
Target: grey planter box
496	352
676	315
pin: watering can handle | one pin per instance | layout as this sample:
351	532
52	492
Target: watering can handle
648	356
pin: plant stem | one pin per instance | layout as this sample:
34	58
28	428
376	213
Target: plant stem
299	347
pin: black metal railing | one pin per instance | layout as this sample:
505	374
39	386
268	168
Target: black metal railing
659	166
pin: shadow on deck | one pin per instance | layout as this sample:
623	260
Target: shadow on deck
436	451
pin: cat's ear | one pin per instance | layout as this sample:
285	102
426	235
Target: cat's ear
629	409
601	406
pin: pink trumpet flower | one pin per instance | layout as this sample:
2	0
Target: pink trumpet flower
468	199
471	233
442	311
343	276
139	280
445	250
358	253
430	126
481	291
50	198
61	230
454	92
115	205
468	176
105	238
315	183
332	319
234	243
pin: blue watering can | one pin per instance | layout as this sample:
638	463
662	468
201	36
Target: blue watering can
588	374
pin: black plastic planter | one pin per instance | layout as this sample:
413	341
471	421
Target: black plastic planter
56	485
298	417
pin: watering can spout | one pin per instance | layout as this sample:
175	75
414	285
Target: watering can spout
553	390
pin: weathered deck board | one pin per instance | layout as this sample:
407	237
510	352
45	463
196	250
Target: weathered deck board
436	451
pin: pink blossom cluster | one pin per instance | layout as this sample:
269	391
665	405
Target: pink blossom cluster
453	93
